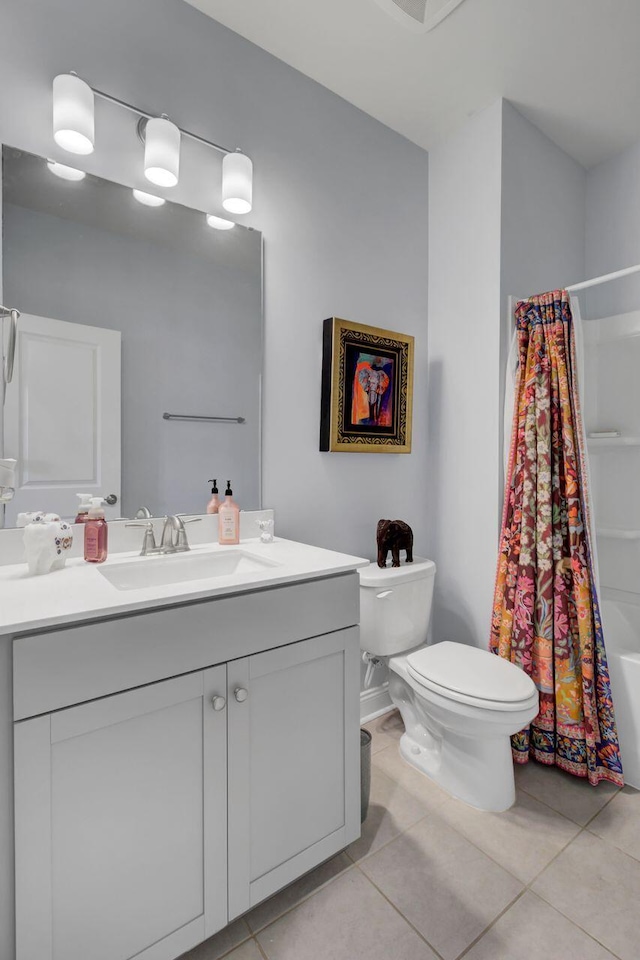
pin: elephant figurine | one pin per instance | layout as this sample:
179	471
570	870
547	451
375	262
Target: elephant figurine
394	535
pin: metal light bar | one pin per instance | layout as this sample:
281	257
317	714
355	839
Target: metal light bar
150	116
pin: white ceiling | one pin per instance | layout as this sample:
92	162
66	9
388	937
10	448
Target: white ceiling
571	66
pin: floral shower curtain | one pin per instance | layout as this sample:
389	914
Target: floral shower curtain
546	617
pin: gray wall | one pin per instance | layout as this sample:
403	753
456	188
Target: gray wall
464	340
341	200
191	343
543	210
342	203
613	232
506	215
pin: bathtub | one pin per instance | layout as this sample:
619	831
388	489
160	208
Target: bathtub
621	625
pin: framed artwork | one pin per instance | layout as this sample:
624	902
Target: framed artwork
367	389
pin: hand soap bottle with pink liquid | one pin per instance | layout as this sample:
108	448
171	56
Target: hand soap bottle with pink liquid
229	518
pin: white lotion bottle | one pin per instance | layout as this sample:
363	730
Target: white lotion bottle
228	518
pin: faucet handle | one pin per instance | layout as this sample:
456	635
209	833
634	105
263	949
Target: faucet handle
149	540
183	543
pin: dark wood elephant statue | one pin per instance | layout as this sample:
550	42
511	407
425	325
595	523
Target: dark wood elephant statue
394	535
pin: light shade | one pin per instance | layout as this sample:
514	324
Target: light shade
162	152
73	119
148	199
64	172
219	223
237	182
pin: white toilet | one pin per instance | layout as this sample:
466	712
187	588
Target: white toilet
459	704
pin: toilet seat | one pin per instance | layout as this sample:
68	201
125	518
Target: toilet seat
472	676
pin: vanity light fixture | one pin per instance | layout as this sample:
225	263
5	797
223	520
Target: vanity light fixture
148	199
64	172
237	182
73	130
73	114
219	223
161	152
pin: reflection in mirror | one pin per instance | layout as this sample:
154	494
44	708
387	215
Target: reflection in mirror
128	312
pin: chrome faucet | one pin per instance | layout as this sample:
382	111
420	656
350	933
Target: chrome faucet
149	545
174	536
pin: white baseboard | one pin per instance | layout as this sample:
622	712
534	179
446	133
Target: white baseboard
374	702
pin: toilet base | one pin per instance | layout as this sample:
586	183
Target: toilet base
464	750
479	773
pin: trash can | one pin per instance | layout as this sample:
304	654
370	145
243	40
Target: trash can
365	773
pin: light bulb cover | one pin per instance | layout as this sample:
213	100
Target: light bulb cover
219	223
64	172
237	183
149	199
162	152
73	114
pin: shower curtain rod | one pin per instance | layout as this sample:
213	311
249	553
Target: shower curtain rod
604	279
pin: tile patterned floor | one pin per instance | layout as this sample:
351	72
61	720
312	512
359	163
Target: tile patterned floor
557	877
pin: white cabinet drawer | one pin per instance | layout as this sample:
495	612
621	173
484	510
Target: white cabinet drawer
64	667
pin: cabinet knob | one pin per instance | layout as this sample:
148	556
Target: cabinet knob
240	694
219	703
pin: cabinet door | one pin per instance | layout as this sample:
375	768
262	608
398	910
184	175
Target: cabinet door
294	769
120	826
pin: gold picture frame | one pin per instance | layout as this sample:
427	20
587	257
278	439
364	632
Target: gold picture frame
367	389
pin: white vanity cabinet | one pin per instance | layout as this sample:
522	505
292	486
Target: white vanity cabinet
294	763
147	819
120	826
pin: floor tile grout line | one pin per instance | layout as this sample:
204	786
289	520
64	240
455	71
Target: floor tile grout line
555	907
574	923
240	943
493	923
348	869
581	828
372	853
603	807
260	950
431	812
559	812
400	913
460	833
526	886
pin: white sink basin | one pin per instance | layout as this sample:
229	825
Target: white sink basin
160	571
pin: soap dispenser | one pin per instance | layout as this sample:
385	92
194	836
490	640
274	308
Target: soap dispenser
96	533
229	518
83	507
214	504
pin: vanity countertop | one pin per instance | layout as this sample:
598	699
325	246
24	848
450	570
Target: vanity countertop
80	591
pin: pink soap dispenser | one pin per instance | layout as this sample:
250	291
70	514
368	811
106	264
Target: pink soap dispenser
83	507
96	533
214	504
229	518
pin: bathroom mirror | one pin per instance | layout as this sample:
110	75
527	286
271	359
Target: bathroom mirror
131	316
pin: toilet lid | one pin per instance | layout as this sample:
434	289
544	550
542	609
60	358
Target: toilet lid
470	671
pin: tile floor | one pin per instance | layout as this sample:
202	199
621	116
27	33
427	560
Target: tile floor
557	877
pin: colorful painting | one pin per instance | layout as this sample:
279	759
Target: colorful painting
367	382
372	398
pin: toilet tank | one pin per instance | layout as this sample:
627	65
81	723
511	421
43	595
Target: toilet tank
395	606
